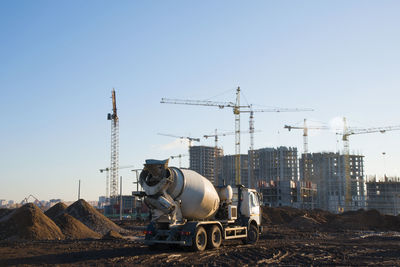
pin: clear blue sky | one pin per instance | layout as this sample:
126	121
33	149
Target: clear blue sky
59	61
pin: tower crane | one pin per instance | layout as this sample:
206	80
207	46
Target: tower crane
180	158
113	117
251	111
237	108
216	154
107	170
346	151
305	129
190	139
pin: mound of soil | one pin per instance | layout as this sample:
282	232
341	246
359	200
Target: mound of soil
29	223
74	229
4	212
366	220
321	216
280	215
304	223
56	210
112	235
326	221
90	217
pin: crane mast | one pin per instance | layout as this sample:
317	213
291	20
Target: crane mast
236	111
305	128
114	166
107	170
251	154
305	134
216	153
346	155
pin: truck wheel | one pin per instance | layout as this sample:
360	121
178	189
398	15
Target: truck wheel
214	237
200	239
252	235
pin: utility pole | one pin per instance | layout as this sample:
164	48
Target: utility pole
384	165
120	201
137	190
79	189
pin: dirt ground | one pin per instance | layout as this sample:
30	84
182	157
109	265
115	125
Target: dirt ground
277	246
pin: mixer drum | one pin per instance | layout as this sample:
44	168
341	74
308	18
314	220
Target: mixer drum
199	199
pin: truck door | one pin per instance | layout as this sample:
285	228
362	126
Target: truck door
254	207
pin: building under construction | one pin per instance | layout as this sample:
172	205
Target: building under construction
384	196
276	173
227	173
327	171
306	195
203	160
276	164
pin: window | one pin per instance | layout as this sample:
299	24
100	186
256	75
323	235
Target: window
253	200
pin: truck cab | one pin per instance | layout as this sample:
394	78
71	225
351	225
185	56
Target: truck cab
250	211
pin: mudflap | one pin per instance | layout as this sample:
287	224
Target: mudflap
173	236
148	237
189	227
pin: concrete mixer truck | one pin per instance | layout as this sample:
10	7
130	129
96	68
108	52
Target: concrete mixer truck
187	210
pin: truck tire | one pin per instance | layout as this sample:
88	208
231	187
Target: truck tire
214	237
252	235
199	242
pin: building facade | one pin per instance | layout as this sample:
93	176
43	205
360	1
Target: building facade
203	159
327	171
276	169
228	170
384	196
